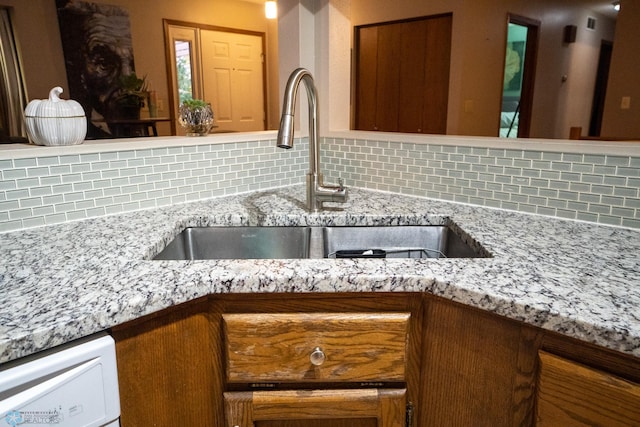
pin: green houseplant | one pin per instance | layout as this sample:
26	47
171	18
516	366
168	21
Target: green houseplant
131	96
196	116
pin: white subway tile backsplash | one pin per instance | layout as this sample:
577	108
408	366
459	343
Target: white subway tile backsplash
625	191
633	203
617	161
9	206
34	221
595	188
17	194
570	185
624	171
633	223
592	179
21	173
41	191
589	198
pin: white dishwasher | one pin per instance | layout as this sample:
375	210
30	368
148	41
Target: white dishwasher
74	385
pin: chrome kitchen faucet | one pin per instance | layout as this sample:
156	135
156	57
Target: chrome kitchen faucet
317	192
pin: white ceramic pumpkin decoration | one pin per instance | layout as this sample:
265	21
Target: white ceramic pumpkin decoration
55	121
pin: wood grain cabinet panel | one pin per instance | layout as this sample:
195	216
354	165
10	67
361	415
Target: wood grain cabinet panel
571	394
227	359
168	370
279	347
402	75
311	408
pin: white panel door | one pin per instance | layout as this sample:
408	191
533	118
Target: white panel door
233	79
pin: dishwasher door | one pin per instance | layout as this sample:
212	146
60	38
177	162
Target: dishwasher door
74	385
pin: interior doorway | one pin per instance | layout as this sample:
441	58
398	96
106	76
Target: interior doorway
224	67
600	90
402	75
518	79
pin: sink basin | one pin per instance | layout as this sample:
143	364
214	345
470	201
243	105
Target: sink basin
238	243
423	241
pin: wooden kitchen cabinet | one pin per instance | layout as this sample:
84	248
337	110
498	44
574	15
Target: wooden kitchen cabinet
321	357
571	394
458	366
168	372
478	368
311	408
482	369
194	362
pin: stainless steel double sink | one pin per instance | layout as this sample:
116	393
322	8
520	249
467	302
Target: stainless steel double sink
421	241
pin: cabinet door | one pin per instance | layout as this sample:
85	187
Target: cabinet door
311	408
570	394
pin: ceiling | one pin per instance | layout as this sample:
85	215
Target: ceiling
604	7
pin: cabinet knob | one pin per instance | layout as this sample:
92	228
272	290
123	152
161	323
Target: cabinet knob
317	356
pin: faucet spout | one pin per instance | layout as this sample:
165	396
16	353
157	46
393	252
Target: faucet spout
317	192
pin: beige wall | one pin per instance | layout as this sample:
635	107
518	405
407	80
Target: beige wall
476	73
478	44
37	27
624	76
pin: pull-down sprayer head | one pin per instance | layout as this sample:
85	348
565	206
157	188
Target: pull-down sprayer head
285	132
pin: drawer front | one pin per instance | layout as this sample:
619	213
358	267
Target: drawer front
572	394
317	407
316	347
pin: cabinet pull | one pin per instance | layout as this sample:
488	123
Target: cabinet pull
409	415
317	356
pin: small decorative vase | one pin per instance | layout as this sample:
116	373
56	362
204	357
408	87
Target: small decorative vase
198	121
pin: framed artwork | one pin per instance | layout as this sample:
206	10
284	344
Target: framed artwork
97	47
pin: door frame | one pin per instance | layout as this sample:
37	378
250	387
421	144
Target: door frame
600	89
529	70
170	60
196	67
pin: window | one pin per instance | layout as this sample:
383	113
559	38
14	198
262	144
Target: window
183	70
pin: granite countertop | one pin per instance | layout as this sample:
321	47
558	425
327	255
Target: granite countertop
63	282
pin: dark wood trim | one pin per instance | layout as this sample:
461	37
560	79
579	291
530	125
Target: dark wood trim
212	27
529	72
405	20
168	67
600	90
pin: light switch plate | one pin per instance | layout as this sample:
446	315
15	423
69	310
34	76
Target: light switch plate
625	104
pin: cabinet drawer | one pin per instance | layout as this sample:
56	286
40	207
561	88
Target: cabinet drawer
572	394
316	347
294	407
